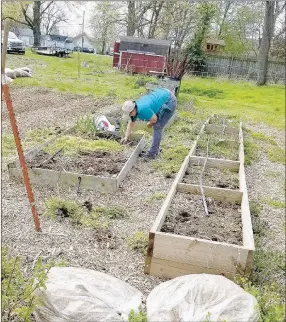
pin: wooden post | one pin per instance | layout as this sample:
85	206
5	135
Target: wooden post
78	66
14	127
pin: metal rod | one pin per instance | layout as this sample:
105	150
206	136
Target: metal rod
17	138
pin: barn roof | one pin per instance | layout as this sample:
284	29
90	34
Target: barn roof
159	42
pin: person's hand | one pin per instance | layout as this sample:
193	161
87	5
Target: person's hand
123	141
149	124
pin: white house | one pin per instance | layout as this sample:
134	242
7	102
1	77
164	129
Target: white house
26	35
87	42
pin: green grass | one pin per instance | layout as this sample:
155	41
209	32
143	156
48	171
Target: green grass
275	203
262	137
158	196
251	151
255	208
276	154
138	241
252	103
97	79
273	174
73	144
29	140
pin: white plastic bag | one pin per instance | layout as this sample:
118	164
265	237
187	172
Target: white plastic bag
200	297
103	124
78	294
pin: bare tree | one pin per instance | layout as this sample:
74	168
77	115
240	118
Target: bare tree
52	17
156	9
225	12
33	17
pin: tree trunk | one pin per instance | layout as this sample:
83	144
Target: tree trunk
131	26
37	23
154	20
268	30
227	6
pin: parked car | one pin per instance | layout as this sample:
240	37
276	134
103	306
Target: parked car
14	44
84	49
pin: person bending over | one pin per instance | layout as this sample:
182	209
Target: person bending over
156	108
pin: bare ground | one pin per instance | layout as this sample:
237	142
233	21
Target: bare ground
78	246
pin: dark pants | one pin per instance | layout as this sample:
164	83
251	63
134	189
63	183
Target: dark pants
158	127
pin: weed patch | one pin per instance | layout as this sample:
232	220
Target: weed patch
275	203
137	317
73	145
274	174
86	125
158	196
251	151
30	140
255	208
17	290
271	305
276	154
138	242
83	215
262	137
171	160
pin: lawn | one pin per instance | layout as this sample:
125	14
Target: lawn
98	78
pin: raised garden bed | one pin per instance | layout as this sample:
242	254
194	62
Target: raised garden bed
213	177
220	149
187	217
73	160
184	239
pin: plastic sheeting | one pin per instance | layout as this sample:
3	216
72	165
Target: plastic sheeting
78	294
200	297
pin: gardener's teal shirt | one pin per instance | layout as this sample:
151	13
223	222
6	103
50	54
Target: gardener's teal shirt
151	103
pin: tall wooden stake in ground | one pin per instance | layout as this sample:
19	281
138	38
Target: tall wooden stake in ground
14	127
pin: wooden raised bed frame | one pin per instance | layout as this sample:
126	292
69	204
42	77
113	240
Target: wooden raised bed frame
67	179
170	255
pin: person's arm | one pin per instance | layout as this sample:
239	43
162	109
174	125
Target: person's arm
129	129
152	120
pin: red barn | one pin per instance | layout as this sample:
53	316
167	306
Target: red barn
141	55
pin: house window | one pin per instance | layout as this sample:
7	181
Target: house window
208	47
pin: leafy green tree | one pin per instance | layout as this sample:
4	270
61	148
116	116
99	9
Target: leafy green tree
195	52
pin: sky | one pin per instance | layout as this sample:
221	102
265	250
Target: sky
75	14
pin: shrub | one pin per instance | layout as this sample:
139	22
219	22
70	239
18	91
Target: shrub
18	299
137	317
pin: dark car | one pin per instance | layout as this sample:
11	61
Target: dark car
84	50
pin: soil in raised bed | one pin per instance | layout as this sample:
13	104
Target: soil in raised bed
219	149
186	217
88	162
212	177
231	121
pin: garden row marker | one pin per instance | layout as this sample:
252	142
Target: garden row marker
14	127
201	180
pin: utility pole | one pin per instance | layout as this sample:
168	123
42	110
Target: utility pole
82	32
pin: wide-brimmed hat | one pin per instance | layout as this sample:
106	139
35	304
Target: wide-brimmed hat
127	107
